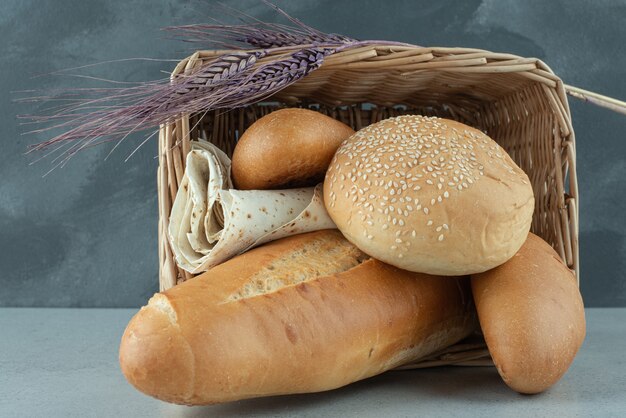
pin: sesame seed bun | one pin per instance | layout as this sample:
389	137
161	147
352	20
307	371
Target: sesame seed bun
429	195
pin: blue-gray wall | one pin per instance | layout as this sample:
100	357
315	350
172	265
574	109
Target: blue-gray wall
86	234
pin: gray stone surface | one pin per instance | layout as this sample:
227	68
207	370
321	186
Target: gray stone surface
63	363
86	234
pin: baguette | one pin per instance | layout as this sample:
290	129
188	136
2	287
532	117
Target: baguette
306	313
532	316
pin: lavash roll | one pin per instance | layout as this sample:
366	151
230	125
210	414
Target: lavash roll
211	222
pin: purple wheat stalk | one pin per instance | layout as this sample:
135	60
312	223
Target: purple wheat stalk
282	55
274	76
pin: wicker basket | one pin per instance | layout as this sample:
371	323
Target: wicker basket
519	102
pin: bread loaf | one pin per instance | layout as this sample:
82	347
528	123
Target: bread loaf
302	314
532	316
287	148
430	195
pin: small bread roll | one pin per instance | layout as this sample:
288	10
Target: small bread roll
429	195
532	316
287	148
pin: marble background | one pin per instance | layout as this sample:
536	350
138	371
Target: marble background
85	235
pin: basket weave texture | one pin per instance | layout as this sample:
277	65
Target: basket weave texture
519	102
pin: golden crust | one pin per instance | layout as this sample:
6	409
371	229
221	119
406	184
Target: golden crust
532	316
287	148
155	356
194	345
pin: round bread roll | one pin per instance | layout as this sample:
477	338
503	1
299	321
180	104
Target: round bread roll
532	316
287	148
429	195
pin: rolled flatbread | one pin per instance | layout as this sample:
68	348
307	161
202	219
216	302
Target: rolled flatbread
211	222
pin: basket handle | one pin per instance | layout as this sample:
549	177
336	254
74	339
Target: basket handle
596	99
